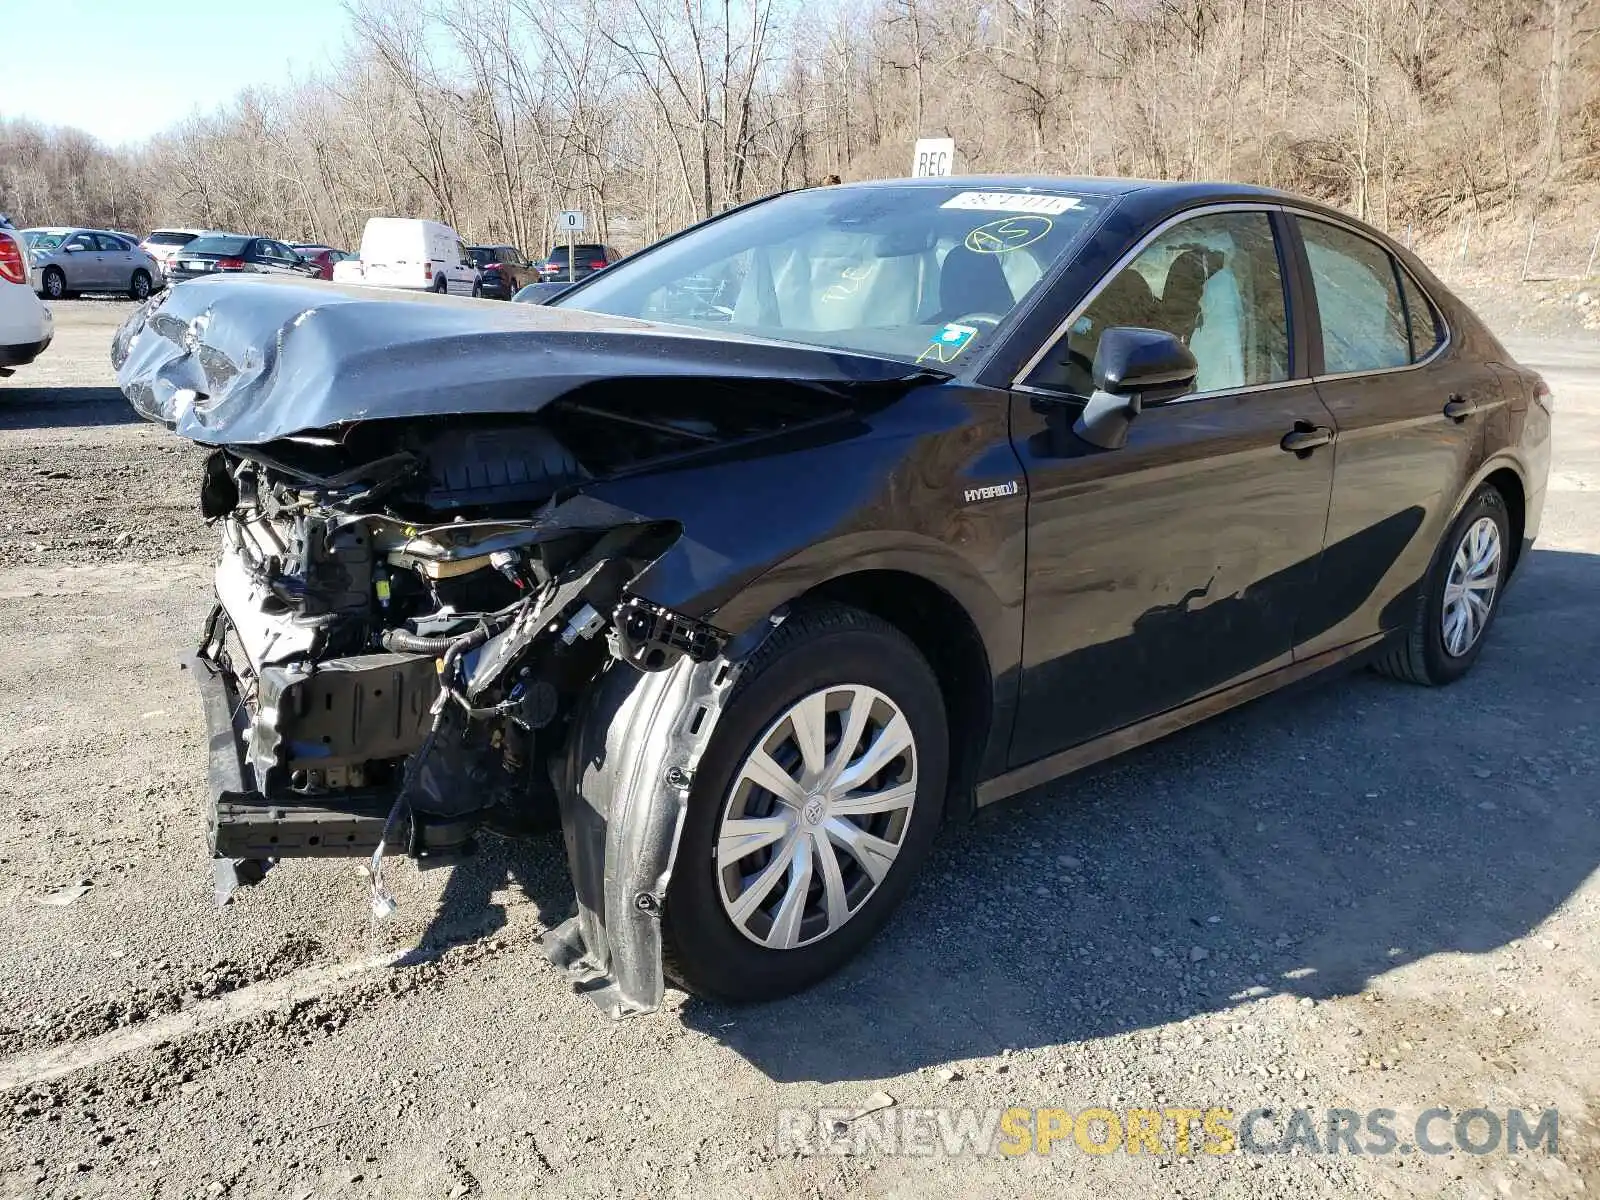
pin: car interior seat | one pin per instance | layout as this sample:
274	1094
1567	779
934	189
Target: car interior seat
970	282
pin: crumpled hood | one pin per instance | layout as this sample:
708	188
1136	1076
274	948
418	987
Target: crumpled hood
246	361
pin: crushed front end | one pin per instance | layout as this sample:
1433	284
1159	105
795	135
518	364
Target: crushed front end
357	659
373	683
429	618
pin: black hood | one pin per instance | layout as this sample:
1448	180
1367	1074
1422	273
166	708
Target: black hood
234	361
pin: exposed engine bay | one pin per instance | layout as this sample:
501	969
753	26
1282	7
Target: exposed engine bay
394	663
357	629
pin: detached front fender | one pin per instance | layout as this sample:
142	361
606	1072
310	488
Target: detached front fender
635	746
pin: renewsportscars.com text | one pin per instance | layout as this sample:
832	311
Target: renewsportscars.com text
1015	1132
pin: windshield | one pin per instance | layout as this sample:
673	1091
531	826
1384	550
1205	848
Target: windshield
166	237
44	239
217	245
913	272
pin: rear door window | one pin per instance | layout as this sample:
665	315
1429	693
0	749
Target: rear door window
1358	298
110	244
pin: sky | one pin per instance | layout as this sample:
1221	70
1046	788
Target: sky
124	70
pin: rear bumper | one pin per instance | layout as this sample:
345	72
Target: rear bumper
21	356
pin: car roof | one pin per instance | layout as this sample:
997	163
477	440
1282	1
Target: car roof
178	229
1092	185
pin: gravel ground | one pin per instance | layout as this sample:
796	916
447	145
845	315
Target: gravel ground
1357	895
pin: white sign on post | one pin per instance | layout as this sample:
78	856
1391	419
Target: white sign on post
570	221
933	156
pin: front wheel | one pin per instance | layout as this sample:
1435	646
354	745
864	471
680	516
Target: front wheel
1460	595
816	802
55	283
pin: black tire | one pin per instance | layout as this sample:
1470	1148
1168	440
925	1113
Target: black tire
54	284
702	950
1422	658
477	290
139	286
441	285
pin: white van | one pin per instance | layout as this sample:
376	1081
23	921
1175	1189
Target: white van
424	256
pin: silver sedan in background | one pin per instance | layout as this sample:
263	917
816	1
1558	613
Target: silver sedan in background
65	261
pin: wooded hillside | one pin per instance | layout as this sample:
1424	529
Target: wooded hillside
493	114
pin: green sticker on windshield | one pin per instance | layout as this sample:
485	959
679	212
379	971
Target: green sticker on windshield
946	345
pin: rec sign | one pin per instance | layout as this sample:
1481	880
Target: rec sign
933	156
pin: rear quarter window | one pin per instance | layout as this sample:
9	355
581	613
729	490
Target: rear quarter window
1426	328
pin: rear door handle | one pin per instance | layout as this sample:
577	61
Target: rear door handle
1458	408
1306	437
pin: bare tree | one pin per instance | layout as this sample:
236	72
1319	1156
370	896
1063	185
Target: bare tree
648	114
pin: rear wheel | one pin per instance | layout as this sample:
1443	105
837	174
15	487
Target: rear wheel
441	284
1460	597
815	804
139	289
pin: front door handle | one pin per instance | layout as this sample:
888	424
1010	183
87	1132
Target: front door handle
1459	408
1306	437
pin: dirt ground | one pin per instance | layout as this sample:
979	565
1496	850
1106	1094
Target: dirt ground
1360	895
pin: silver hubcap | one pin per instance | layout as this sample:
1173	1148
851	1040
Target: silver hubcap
1469	591
816	816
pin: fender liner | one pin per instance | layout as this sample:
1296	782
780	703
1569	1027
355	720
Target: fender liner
629	767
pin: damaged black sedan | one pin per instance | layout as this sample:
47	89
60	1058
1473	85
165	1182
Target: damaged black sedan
755	557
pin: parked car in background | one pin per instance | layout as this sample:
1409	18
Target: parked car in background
587	258
324	258
241	254
506	270
67	261
25	324
163	244
414	254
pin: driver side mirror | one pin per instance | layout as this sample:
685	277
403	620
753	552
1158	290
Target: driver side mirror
1133	368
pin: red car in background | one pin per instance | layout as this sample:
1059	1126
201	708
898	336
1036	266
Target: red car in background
321	257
